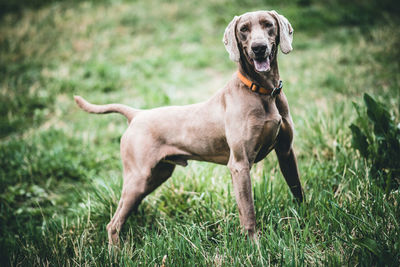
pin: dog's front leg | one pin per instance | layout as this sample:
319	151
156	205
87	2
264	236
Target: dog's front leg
288	165
240	171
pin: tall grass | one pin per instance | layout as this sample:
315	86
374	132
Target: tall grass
60	171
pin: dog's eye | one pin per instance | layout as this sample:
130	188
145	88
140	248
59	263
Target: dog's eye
244	28
267	24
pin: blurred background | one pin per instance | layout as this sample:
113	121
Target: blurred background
60	171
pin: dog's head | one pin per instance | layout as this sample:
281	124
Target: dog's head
254	37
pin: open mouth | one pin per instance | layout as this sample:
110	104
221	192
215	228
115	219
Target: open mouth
263	64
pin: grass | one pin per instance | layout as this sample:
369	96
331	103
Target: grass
60	169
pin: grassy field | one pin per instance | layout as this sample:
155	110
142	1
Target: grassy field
60	170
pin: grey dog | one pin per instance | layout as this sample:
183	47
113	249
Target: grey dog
238	126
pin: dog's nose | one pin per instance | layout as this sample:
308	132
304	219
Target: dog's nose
259	49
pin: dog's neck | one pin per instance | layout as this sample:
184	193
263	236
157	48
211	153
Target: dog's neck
268	80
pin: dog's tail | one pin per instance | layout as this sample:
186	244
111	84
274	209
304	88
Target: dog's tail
128	112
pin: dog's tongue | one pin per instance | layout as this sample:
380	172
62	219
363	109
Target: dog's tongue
262	65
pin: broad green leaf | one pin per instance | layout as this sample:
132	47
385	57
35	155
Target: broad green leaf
378	114
359	140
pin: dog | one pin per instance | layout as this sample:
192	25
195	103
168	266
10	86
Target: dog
238	126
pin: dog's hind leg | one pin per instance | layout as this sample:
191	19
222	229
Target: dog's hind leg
137	185
132	190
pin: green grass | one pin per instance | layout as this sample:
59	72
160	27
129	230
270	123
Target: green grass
60	170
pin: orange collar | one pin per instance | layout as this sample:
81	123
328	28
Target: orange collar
258	89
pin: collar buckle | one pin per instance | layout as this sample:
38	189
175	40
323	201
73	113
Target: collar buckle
254	87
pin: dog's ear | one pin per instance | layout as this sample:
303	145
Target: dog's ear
285	32
230	40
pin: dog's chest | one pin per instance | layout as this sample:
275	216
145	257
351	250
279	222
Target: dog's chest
268	126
